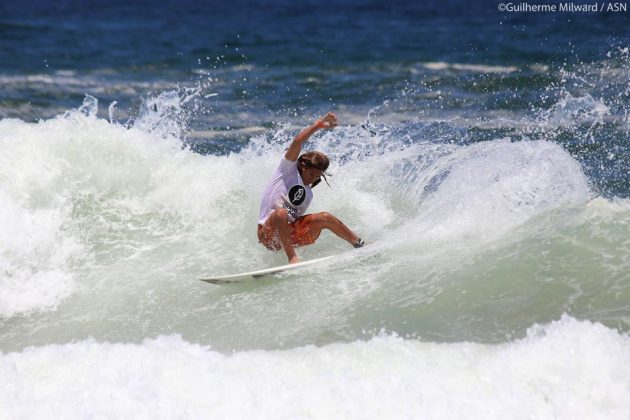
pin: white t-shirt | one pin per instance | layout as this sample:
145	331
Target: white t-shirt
286	189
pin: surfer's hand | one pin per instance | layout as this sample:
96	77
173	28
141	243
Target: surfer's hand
327	121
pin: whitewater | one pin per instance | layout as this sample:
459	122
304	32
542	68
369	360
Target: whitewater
567	369
495	283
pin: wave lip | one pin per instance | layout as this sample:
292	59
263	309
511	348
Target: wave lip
486	189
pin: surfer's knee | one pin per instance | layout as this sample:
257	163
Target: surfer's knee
325	216
280	215
328	218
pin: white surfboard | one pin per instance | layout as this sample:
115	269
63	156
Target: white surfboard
252	275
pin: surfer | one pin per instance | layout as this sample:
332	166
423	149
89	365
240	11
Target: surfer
282	223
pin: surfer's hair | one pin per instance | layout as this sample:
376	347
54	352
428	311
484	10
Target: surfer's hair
314	159
317	160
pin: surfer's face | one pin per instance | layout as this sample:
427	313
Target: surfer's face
310	174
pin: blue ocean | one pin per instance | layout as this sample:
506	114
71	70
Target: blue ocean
482	153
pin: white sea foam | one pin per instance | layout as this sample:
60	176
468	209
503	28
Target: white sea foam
36	249
566	370
475	68
570	110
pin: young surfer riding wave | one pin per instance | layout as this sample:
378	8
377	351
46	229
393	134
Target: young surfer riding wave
282	223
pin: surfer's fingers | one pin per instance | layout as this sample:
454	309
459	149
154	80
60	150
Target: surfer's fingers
331	118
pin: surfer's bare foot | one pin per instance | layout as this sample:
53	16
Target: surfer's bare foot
294	260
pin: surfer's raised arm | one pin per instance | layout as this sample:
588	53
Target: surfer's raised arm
328	121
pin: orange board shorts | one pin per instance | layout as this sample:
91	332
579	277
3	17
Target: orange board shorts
300	234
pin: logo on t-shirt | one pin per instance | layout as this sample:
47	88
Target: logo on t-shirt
297	195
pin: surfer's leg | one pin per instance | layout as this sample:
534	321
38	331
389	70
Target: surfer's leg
268	237
279	220
324	220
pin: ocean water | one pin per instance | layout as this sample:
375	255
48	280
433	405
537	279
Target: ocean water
483	156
